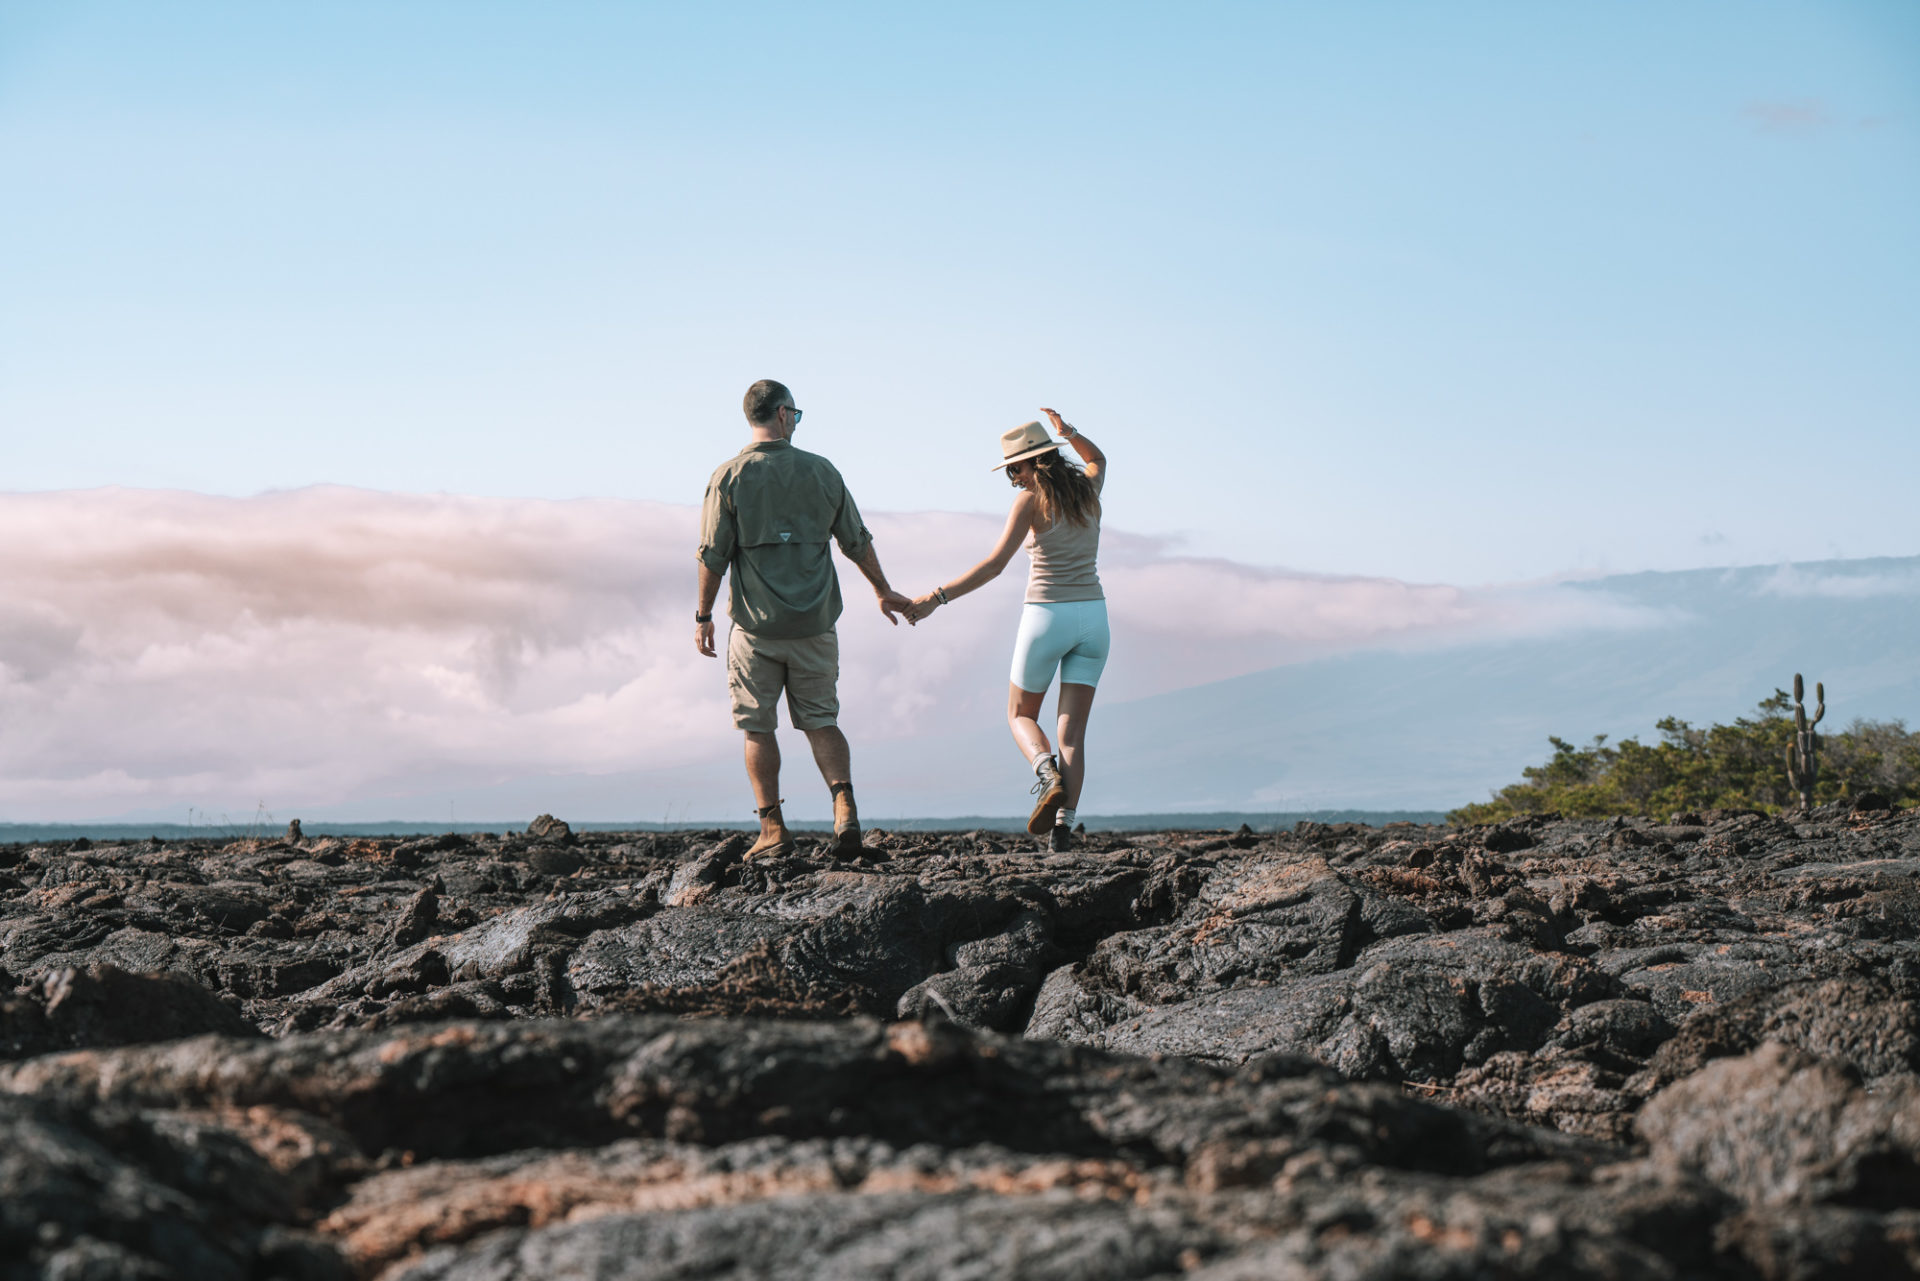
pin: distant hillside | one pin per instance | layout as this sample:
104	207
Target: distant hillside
1437	728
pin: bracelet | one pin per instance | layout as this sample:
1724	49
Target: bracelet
702	618
940	594
1068	430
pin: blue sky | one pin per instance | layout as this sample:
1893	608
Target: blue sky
1449	292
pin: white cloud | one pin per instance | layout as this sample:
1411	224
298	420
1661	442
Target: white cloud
161	649
1791	580
1788	116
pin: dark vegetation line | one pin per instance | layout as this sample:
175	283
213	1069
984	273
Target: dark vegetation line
1741	766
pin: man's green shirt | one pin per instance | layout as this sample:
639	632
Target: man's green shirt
770	513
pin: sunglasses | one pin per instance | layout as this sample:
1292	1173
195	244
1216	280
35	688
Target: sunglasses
796	414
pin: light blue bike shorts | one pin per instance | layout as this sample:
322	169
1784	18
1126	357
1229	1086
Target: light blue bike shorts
1070	636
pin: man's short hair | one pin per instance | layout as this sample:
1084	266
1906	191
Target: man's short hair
763	401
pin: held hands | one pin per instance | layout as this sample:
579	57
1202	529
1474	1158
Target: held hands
895	602
919	609
892	602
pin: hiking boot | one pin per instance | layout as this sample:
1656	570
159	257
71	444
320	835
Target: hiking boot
774	836
1052	793
846	822
1060	840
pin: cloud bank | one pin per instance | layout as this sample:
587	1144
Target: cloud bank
1795	581
1791	116
317	648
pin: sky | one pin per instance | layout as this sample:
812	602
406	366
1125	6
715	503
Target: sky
361	364
1448	293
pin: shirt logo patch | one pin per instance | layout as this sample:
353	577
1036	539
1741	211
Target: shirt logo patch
785	536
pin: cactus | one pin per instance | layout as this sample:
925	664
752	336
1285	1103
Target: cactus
1803	753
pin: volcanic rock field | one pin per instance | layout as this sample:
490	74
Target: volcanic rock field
1553	1049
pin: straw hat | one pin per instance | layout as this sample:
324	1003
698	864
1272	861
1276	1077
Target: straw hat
1029	440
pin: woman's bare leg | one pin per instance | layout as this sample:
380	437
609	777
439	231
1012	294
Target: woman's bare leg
1023	718
1076	701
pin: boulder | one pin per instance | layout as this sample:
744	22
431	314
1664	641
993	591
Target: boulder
1780	1126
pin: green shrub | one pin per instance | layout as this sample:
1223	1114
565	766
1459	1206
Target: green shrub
1737	766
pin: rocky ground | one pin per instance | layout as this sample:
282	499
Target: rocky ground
1549	1049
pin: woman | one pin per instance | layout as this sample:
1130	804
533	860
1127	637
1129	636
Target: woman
1064	624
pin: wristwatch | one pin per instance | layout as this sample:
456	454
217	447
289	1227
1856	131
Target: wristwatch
1068	430
702	618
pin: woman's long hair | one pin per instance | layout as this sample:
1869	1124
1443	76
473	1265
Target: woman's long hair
1062	491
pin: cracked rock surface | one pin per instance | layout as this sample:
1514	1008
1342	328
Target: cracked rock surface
1546	1049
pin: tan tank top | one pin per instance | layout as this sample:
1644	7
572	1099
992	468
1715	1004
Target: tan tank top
1063	563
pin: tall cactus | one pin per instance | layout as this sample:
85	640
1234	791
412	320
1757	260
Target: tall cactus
1803	753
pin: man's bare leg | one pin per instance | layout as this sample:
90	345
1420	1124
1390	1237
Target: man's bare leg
835	759
763	768
763	771
832	754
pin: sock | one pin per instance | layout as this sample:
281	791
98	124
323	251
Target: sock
1064	818
1044	756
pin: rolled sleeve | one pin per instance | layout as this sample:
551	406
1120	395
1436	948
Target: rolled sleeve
848	530
719	532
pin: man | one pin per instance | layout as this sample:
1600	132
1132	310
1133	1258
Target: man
769	515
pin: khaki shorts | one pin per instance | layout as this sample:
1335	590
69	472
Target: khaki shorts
808	669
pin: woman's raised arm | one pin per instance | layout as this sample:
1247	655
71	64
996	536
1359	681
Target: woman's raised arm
1089	452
